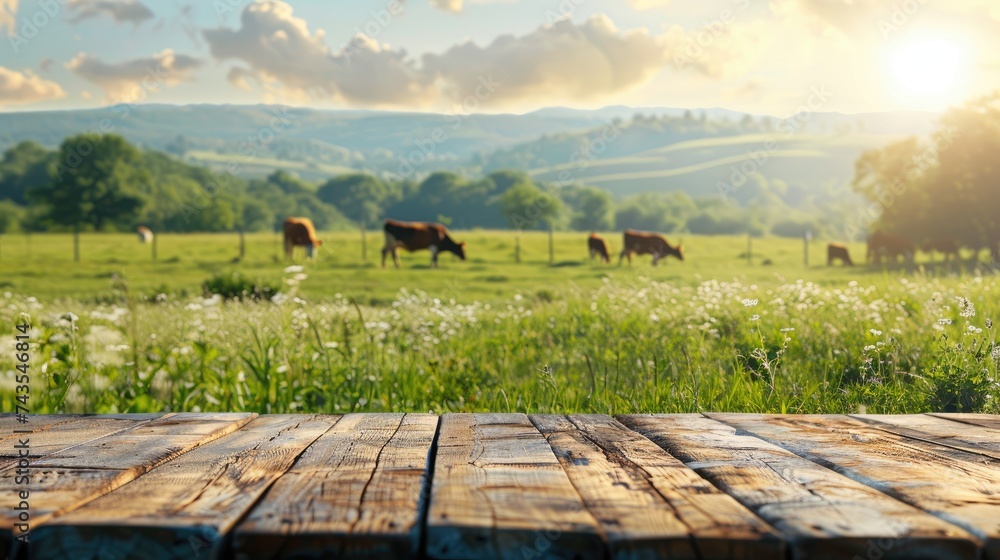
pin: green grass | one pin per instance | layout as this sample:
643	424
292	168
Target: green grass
711	333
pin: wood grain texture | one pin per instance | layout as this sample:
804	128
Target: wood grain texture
68	479
649	504
934	429
355	493
821	514
498	491
183	508
61	434
954	485
984	420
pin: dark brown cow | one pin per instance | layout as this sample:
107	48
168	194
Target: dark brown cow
647	243
837	251
299	232
414	236
948	247
598	248
885	244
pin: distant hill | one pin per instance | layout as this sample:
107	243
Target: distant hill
659	148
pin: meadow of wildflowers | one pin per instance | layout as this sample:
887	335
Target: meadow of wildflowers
886	345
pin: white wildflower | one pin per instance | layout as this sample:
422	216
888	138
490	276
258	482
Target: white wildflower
965	307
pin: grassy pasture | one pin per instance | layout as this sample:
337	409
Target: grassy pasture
42	265
711	333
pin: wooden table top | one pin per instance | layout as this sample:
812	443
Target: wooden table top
712	486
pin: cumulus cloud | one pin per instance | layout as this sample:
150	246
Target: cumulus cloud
133	79
26	87
647	4
448	5
717	50
122	11
560	61
564	61
8	15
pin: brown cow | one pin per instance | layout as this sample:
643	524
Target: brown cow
414	236
885	244
837	251
948	247
145	234
646	243
598	248
299	232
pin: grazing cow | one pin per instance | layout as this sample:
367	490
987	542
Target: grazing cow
948	247
646	243
598	248
838	251
145	234
885	244
414	236
299	232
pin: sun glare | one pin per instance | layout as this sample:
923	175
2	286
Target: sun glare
927	69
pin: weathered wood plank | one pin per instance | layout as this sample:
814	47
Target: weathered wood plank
985	420
499	492
67	479
183	508
649	504
961	487
822	514
355	493
60	435
933	429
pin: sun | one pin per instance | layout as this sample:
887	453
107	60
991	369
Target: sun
927	68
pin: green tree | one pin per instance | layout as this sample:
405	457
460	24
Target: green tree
526	207
593	209
361	197
95	182
11	216
23	167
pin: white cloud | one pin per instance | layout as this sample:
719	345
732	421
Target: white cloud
8	15
133	80
26	87
447	5
560	62
131	11
648	4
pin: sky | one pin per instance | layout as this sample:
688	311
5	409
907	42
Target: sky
498	56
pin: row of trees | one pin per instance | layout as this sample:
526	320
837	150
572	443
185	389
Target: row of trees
102	183
945	189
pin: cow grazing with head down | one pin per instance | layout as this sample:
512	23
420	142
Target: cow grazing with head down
646	243
299	232
145	234
947	247
884	244
837	251
414	236
598	248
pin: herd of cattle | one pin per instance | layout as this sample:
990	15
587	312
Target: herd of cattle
416	236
